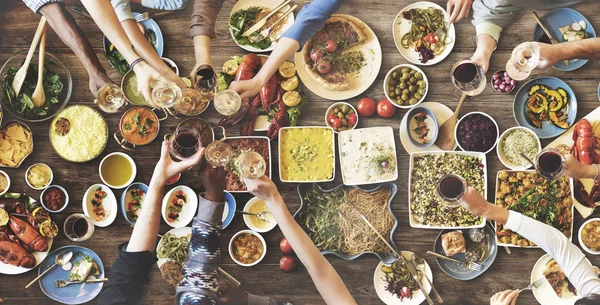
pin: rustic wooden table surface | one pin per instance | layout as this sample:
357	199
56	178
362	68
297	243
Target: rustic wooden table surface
18	24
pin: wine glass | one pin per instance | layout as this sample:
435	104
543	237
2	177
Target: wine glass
251	165
468	77
227	102
451	188
206	81
549	163
192	103
218	154
78	227
110	98
166	95
523	60
185	142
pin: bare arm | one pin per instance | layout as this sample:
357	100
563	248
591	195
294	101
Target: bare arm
486	45
201	52
583	49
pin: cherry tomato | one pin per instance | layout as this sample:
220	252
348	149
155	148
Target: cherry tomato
430	38
316	54
330	46
337	123
285	246
352	119
385	109
323	67
366	106
288	263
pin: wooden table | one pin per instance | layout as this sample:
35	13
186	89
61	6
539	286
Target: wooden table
18	24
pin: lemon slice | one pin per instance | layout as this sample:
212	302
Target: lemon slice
292	98
48	229
40	215
230	67
290	84
287	69
187	81
3	217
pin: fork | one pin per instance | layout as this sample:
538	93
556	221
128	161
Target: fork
64	283
470	265
534	285
265	33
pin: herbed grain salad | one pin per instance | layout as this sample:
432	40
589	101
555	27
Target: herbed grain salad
519	141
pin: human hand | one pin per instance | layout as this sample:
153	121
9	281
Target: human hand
481	60
507	297
474	202
166	168
97	81
146	76
231	296
548	55
262	188
458	9
574	169
213	179
246	88
172	76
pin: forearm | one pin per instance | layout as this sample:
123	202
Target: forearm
146	227
486	45
202	50
583	49
286	47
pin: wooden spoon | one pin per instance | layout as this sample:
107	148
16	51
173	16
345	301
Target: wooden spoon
39	96
445	139
22	72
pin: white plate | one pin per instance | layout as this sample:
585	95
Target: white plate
544	294
188	210
39	256
479	155
312	127
363	80
496	199
369	136
178	232
442	114
417	298
244	4
401	26
109	203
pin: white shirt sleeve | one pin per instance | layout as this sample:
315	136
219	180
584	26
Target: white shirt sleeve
571	260
122	9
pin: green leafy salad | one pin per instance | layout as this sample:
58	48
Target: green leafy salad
244	19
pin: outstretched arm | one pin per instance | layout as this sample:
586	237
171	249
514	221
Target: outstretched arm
202	29
326	279
582	49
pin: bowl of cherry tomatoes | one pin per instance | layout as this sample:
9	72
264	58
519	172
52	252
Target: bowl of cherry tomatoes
341	116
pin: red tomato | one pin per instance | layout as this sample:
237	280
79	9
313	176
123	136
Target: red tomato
337	123
316	54
323	67
366	106
288	263
352	119
430	38
285	246
331	118
385	109
330	46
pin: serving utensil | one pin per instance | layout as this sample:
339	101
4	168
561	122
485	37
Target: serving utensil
445	139
65	283
470	265
22	72
418	262
260	215
534	285
39	96
552	39
528	160
265	33
257	26
60	259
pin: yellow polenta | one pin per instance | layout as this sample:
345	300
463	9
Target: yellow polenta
86	136
306	154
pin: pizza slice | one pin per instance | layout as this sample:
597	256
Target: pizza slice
557	279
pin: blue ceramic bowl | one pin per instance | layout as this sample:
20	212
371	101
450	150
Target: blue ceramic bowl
231	205
138	185
434	129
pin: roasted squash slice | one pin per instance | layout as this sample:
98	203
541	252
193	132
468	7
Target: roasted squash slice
537	103
535	121
533	89
562	123
563	93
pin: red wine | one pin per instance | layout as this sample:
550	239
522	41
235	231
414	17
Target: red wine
186	144
465	73
80	227
206	73
451	187
550	162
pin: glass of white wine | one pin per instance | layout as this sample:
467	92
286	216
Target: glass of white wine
227	102
524	58
166	95
218	154
110	98
251	165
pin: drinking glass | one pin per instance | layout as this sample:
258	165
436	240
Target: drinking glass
110	98
185	142
451	188
468	77
549	163
227	102
251	165
218	154
523	60
78	227
166	95
206	81
192	103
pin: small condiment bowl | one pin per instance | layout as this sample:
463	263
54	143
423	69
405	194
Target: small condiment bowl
7	183
262	240
434	127
248	218
388	76
45	186
500	145
171	64
60	188
123	203
133	170
330	111
471	113
583	246
501	73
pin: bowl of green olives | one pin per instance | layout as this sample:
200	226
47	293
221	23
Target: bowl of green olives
341	116
405	86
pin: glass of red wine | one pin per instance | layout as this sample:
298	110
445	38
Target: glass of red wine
468	77
549	163
185	142
451	188
78	227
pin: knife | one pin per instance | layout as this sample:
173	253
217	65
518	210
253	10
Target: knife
552	39
262	22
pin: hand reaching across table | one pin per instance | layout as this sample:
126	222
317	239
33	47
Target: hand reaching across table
458	9
507	297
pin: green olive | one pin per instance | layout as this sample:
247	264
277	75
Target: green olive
345	122
417	96
412	80
346	116
418	76
406	75
391	88
406	91
395	75
413	71
393	82
404	97
412	88
402	86
336	110
421	84
398	91
350	111
399	101
421	91
392	94
345	108
405	70
413	101
340	115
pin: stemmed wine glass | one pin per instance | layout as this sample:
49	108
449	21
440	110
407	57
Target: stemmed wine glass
206	81
110	98
218	153
227	102
185	142
523	60
251	165
166	95
451	188
468	77
549	163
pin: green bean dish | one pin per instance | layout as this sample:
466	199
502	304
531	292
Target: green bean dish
428	32
174	248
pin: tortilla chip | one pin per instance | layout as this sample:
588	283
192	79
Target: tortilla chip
16	132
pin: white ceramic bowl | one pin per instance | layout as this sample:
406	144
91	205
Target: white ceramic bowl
7	184
388	76
484	114
188	210
248	221
500	144
39	188
171	63
583	246
133	171
340	104
60	188
262	240
109	203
